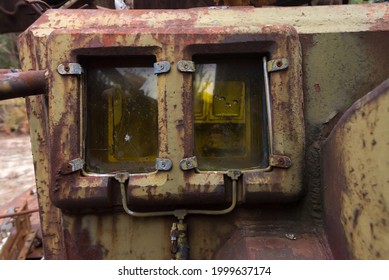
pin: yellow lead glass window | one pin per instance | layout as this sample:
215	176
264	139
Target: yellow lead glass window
121	115
230	112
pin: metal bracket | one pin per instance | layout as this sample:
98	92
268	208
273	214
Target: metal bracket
188	163
161	67
277	64
186	66
280	161
234	174
70	69
72	166
163	164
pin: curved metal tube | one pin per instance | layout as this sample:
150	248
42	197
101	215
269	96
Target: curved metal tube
179	213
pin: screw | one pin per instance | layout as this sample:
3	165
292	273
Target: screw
163	164
67	68
279	63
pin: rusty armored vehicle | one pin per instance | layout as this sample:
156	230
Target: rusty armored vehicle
208	129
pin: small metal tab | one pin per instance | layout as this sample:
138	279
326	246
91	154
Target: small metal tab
188	163
161	67
72	166
280	161
277	64
163	164
70	69
186	66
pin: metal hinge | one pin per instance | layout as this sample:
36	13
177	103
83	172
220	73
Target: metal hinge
188	163
72	166
70	69
161	67
277	64
280	161
186	66
163	164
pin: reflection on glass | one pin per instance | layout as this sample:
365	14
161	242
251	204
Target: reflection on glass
229	112
121	116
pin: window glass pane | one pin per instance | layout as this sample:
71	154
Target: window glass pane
121	115
229	112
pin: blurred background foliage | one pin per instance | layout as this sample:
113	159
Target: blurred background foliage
13	117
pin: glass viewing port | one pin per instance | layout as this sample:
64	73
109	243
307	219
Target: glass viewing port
121	115
230	112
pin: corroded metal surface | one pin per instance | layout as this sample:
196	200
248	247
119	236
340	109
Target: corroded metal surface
264	247
22	84
356	179
173	188
91	217
50	217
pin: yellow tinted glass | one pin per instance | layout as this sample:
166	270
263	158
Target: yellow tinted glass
230	114
121	115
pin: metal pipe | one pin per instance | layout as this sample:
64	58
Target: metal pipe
268	105
22	84
10	215
178	213
68	4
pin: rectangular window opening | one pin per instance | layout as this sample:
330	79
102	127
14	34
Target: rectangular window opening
121	114
230	112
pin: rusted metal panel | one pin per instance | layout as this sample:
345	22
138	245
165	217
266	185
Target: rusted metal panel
31	51
175	187
355	179
306	246
306	20
56	121
22	84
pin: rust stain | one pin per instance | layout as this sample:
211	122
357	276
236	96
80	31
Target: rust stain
333	201
264	245
317	88
78	245
382	23
355	217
